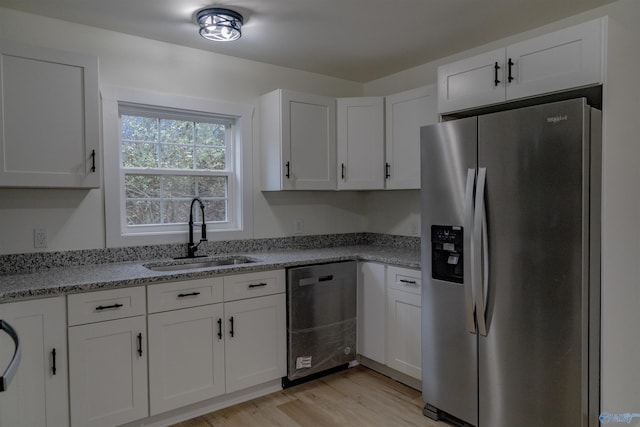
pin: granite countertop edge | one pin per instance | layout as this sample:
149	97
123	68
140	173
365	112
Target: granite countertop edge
68	280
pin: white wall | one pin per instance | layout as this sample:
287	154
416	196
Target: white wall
621	198
74	219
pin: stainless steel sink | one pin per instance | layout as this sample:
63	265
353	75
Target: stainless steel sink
203	263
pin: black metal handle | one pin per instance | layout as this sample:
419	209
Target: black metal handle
10	372
510	78
231	331
192	294
257	285
140	344
387	168
496	67
53	362
288	166
93	160
325	278
106	307
219	329
343	171
410	282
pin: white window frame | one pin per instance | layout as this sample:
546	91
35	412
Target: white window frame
240	187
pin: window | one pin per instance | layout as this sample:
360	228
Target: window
167	155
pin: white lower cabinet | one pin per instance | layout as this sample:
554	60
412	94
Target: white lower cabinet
389	317
207	350
108	358
255	341
38	394
108	372
371	308
403	315
186	357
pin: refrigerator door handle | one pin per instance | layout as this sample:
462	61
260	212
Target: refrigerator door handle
481	255
468	251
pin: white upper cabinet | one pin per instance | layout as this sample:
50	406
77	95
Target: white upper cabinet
565	59
298	141
471	82
561	60
360	143
49	118
406	112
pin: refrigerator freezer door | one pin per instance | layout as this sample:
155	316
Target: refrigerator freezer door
449	342
533	360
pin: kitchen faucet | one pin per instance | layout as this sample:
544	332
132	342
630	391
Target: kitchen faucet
192	247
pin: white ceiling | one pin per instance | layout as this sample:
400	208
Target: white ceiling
359	40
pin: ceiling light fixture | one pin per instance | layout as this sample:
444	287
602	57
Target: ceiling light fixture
220	24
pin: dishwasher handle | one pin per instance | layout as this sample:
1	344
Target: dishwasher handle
10	372
315	280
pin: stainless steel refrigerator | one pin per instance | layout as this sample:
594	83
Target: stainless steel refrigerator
511	267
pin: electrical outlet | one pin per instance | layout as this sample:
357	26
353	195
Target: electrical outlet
39	238
298	226
413	228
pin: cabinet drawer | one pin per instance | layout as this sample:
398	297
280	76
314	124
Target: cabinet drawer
97	306
404	279
188	293
254	284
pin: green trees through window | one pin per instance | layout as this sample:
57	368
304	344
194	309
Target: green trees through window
166	162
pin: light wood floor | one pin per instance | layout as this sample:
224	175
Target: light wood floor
355	397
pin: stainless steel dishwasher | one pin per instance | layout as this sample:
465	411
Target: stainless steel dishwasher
321	319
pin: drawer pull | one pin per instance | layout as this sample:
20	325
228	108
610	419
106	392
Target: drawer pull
192	294
408	282
257	285
107	307
325	278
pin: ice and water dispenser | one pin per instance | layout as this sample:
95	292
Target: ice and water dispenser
446	253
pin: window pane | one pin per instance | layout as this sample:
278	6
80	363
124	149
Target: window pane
139	155
179	187
176	211
210	158
176	156
216	210
141	186
143	212
135	128
212	186
176	131
210	134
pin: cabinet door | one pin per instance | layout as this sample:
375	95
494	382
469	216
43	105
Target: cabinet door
472	82
255	341
360	143
49	118
404	313
308	141
38	394
371	311
565	59
108	372
186	357
406	113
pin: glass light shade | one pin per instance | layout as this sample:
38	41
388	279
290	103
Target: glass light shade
220	24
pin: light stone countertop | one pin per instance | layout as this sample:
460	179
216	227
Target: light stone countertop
66	280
